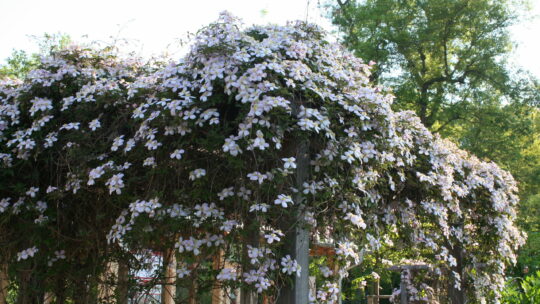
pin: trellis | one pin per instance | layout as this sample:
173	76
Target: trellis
404	285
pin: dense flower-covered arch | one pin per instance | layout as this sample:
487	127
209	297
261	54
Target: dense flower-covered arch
217	153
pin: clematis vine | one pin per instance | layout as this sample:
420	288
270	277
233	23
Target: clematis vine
200	155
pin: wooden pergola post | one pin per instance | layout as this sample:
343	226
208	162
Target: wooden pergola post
248	296
457	294
122	290
299	291
217	291
48	298
404	296
106	285
377	291
4	283
168	291
193	293
298	237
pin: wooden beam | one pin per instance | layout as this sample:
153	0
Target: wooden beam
217	291
4	283
410	267
321	250
377	290
168	290
106	286
457	294
122	291
252	238
298	237
192	296
48	298
404	299
372	298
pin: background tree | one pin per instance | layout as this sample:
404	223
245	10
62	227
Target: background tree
20	62
438	55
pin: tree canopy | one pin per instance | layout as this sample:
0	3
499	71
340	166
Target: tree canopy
441	57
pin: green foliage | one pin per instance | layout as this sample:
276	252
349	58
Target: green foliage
505	134
523	290
438	55
50	43
530	215
528	255
20	62
12	294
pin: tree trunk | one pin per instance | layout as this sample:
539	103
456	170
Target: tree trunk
422	112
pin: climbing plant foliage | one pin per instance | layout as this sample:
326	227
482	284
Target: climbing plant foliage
103	157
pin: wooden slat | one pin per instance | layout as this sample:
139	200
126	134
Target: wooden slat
379	296
322	250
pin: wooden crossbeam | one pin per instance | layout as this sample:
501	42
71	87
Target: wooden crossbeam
322	250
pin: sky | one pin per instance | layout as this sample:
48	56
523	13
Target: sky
154	27
150	26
